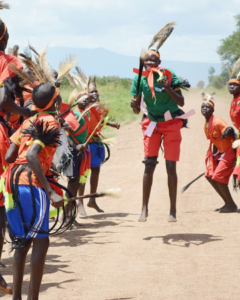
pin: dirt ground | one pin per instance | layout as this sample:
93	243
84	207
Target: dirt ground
114	257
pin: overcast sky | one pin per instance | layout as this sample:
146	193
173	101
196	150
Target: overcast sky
124	26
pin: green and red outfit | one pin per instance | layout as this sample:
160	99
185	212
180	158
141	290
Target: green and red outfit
158	103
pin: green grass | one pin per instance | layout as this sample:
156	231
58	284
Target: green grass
116	97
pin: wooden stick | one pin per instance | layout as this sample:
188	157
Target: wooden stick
141	64
190	183
95	195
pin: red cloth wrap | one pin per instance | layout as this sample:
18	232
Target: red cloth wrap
150	75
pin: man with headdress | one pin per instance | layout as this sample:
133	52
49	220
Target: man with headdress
161	93
27	190
220	158
8	87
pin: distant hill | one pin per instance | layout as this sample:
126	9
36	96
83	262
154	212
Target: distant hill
103	62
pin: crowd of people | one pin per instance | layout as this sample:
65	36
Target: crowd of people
42	137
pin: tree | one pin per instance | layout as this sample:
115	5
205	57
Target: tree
229	50
211	72
200	84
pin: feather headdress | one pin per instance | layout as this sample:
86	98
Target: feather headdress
26	78
65	67
162	35
14	50
235	68
83	78
72	97
33	49
4	5
208	97
33	68
45	66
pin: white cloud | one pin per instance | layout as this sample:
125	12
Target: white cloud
124	26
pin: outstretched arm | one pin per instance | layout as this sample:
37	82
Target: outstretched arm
34	164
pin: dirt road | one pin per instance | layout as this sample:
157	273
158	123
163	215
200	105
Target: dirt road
114	257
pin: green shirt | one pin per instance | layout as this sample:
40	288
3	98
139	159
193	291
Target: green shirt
162	102
81	138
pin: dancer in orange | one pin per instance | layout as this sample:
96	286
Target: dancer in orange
220	157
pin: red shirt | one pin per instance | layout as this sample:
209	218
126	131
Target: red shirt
235	112
5	60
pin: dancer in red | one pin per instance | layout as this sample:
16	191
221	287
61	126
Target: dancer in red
220	158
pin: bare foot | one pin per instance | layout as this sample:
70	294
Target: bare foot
217	209
144	215
81	209
229	209
92	203
4	287
171	218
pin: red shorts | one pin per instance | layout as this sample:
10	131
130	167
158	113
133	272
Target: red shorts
223	168
170	131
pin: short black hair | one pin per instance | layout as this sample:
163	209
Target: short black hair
42	94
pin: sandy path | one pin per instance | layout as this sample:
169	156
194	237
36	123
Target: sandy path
114	257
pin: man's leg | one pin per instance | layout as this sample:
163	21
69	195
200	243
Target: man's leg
19	260
39	252
73	185
172	188
214	184
93	188
81	209
150	165
230	204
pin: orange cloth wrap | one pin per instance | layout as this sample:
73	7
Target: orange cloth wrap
5	29
234	81
154	53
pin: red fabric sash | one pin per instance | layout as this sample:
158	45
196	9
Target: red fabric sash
150	75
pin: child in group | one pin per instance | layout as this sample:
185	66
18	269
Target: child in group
96	147
162	95
27	191
79	166
9	84
221	159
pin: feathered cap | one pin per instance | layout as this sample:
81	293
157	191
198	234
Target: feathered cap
235	72
208	98
160	37
40	70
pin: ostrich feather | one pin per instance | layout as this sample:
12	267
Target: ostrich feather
33	49
4	5
161	36
71	80
15	50
66	66
236	66
45	66
34	68
72	97
27	79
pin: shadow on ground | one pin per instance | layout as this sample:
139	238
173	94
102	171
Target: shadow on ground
186	239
